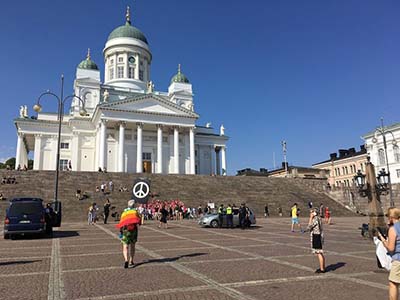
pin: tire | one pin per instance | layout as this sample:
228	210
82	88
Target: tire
6	236
214	224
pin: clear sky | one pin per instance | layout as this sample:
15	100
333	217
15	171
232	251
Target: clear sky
318	74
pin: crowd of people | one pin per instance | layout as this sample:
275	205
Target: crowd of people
8	180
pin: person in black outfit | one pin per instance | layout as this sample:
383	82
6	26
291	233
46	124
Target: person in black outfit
266	211
48	217
164	216
106	210
242	215
221	215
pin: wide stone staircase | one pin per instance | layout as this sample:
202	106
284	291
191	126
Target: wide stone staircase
191	189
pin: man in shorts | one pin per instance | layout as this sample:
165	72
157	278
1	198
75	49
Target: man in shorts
295	217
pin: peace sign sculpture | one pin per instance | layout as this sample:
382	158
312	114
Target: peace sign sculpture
141	190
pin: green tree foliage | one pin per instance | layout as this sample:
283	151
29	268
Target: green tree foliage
10	162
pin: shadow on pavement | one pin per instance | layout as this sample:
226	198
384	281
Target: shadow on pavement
65	234
334	267
19	262
56	235
168	259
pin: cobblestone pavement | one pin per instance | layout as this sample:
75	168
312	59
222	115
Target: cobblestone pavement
190	262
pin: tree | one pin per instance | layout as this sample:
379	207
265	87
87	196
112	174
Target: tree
10	162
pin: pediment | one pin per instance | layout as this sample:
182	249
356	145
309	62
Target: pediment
149	104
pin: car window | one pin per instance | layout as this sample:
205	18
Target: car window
30	208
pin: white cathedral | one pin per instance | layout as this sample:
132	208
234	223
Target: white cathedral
123	124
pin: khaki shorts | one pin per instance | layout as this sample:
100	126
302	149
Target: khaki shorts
394	275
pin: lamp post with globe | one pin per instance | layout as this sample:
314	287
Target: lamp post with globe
382	131
61	101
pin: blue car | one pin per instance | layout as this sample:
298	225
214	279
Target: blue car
25	216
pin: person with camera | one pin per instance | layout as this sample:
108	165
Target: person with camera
316	235
393	248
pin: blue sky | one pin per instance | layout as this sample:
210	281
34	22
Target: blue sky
318	74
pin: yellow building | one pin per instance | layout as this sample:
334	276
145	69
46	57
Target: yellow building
344	167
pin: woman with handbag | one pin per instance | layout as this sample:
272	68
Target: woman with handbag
393	248
316	235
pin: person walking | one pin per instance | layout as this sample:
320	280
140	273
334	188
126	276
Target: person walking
266	211
295	217
327	216
321	211
107	206
242	216
128	226
163	219
91	214
229	216
393	246
316	236
220	215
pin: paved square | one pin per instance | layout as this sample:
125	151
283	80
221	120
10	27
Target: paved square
190	262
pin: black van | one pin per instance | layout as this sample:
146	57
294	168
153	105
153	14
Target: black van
25	216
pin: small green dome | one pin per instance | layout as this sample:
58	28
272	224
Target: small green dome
88	64
128	31
180	77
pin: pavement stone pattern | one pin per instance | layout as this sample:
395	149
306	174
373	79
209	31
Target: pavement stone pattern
83	262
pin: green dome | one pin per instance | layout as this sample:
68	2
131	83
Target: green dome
88	63
180	77
128	31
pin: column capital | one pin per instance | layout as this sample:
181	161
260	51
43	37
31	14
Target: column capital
160	126
122	124
139	124
103	121
217	148
38	135
21	134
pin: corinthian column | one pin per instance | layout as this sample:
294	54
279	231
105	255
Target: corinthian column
102	152
139	150
223	160
176	150
19	147
121	146
159	149
191	151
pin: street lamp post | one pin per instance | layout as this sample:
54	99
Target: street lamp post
371	186
383	132
61	100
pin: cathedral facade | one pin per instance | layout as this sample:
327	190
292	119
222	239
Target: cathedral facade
123	124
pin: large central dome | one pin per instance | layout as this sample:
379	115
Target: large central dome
128	31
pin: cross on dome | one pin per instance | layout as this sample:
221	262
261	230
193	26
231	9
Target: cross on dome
128	15
88	54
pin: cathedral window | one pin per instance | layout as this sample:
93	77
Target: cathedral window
63	164
111	73
120	59
381	155
131	72
141	75
120	72
64	145
396	153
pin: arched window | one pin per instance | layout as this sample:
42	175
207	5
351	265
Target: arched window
396	153
381	155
